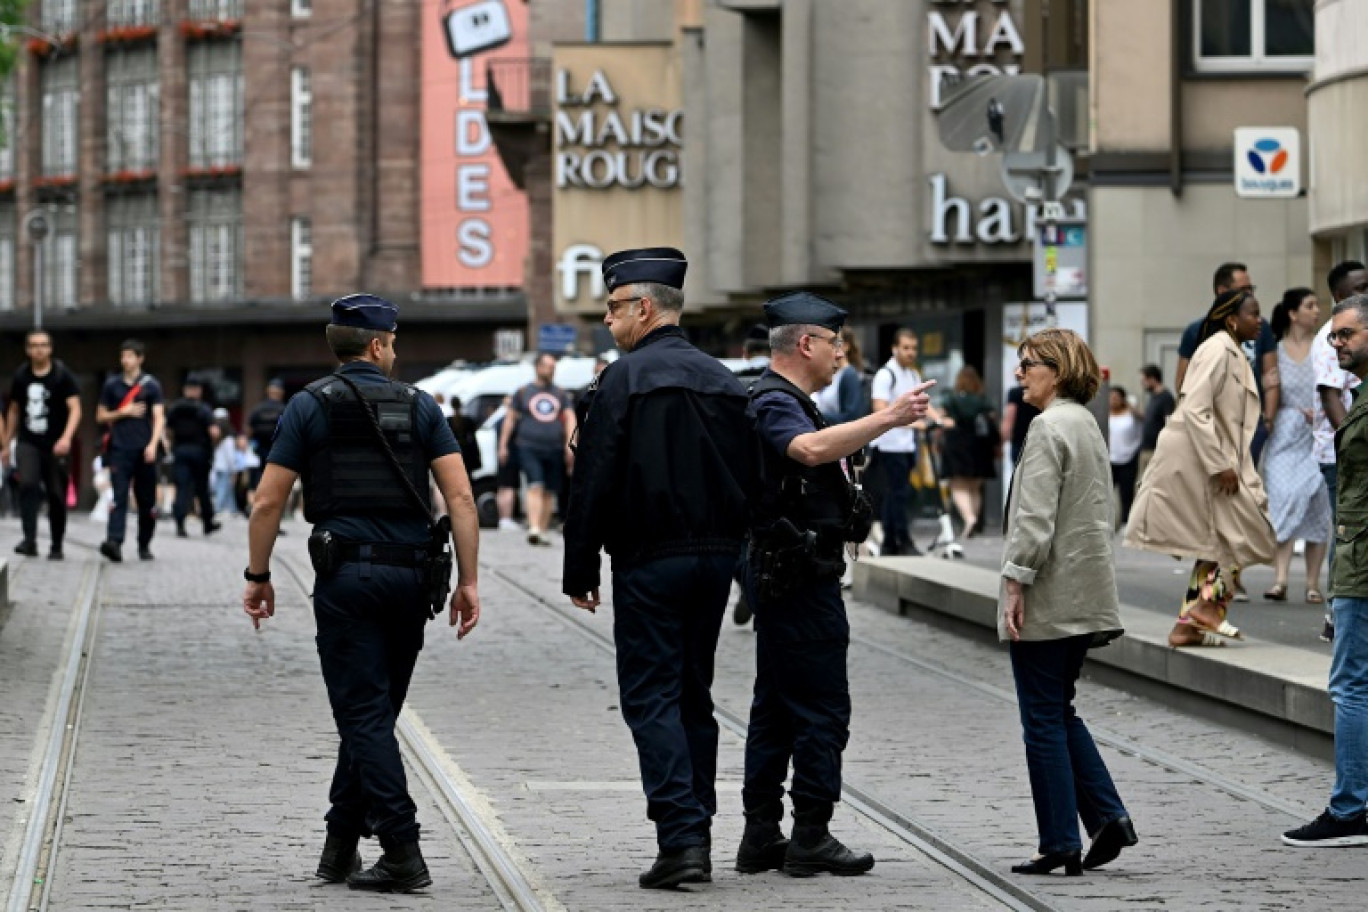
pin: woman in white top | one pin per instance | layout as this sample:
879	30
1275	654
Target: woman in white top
1125	431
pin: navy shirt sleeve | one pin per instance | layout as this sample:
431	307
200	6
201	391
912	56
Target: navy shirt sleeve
110	395
151	392
1268	343
1192	338
301	422
780	419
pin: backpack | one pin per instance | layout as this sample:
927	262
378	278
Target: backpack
867	389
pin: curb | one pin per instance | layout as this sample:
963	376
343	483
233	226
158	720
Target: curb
1280	682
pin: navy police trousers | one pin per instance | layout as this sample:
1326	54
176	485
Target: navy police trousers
370	631
800	710
666	617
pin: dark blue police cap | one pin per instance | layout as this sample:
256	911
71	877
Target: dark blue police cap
804	308
661	265
365	311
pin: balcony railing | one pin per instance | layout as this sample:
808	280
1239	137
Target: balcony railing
519	86
215	10
125	14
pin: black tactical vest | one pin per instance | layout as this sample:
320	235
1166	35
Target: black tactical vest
351	475
814	498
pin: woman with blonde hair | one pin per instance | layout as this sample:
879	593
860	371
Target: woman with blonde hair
1058	600
1201	497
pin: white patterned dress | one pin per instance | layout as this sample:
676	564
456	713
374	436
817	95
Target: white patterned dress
1298	502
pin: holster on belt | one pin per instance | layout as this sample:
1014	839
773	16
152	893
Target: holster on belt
780	555
323	553
437	572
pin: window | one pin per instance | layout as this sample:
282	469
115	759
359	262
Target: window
60	94
215	104
301	259
1244	36
61	260
215	246
60	17
301	118
301	9
8	230
134	249
7	130
216	10
131	119
123	13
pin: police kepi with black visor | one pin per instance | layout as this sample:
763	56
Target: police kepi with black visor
661	265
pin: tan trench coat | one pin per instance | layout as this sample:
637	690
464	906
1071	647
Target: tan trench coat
1178	510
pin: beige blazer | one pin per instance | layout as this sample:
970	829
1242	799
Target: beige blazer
1178	510
1059	528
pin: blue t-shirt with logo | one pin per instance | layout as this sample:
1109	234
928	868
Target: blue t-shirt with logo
541	417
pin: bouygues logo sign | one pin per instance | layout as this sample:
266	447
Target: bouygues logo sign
1267	162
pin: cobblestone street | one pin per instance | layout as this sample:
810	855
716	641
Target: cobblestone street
202	752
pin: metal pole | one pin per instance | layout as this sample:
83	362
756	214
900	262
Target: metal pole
38	283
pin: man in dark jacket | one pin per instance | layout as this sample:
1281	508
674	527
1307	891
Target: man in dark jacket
664	462
189	419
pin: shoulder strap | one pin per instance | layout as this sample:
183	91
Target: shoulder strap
132	392
417	498
772	383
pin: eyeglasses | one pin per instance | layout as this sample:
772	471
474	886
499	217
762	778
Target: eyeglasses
1028	363
615	303
837	340
1342	335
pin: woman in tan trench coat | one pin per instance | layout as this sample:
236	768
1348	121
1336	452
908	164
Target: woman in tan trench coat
1201	497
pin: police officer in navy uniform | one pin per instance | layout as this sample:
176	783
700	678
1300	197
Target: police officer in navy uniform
807	514
664	463
372	603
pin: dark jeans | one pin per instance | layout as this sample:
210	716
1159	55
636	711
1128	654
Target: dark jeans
40	471
370	631
1330	472
1068	778
191	467
800	710
897	467
666	617
126	467
1123	479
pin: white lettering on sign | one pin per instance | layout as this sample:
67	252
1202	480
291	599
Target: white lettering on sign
995	220
967	47
579	260
598	149
474	249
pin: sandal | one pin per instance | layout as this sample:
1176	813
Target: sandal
1314	597
1279	593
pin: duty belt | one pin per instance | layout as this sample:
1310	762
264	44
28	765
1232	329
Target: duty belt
389	555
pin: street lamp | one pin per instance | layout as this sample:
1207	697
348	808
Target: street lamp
38	225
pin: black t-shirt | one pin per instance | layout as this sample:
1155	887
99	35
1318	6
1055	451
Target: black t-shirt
189	421
131	433
42	403
1160	406
262	425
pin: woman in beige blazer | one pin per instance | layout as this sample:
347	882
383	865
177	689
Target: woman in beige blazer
1059	600
1202	498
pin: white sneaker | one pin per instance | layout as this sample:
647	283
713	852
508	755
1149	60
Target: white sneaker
509	525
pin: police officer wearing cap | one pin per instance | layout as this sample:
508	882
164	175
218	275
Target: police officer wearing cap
371	591
664	463
189	419
807	514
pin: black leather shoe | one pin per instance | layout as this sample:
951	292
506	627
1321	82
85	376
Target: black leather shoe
1045	864
826	856
339	859
674	868
56	554
211	527
1110	840
112	550
145	554
180	531
742	613
27	547
762	849
400	870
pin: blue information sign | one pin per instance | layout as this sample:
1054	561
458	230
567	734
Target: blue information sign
556	337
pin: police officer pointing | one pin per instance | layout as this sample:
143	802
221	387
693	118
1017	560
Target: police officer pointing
364	446
665	460
808	512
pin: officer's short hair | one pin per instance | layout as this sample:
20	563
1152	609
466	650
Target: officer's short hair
350	341
668	298
784	339
133	345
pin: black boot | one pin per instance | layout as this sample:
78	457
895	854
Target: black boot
681	866
814	850
339	858
400	870
763	847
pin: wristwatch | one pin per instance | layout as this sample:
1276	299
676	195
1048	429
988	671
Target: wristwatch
251	577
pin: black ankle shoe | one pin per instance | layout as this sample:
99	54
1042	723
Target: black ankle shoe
339	859
763	848
826	856
400	870
112	550
180	531
211	527
56	553
1110	840
674	868
145	553
1044	864
27	547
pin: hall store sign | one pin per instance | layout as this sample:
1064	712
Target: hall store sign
993	220
971	38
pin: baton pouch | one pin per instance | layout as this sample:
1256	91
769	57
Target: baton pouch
323	554
437	571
